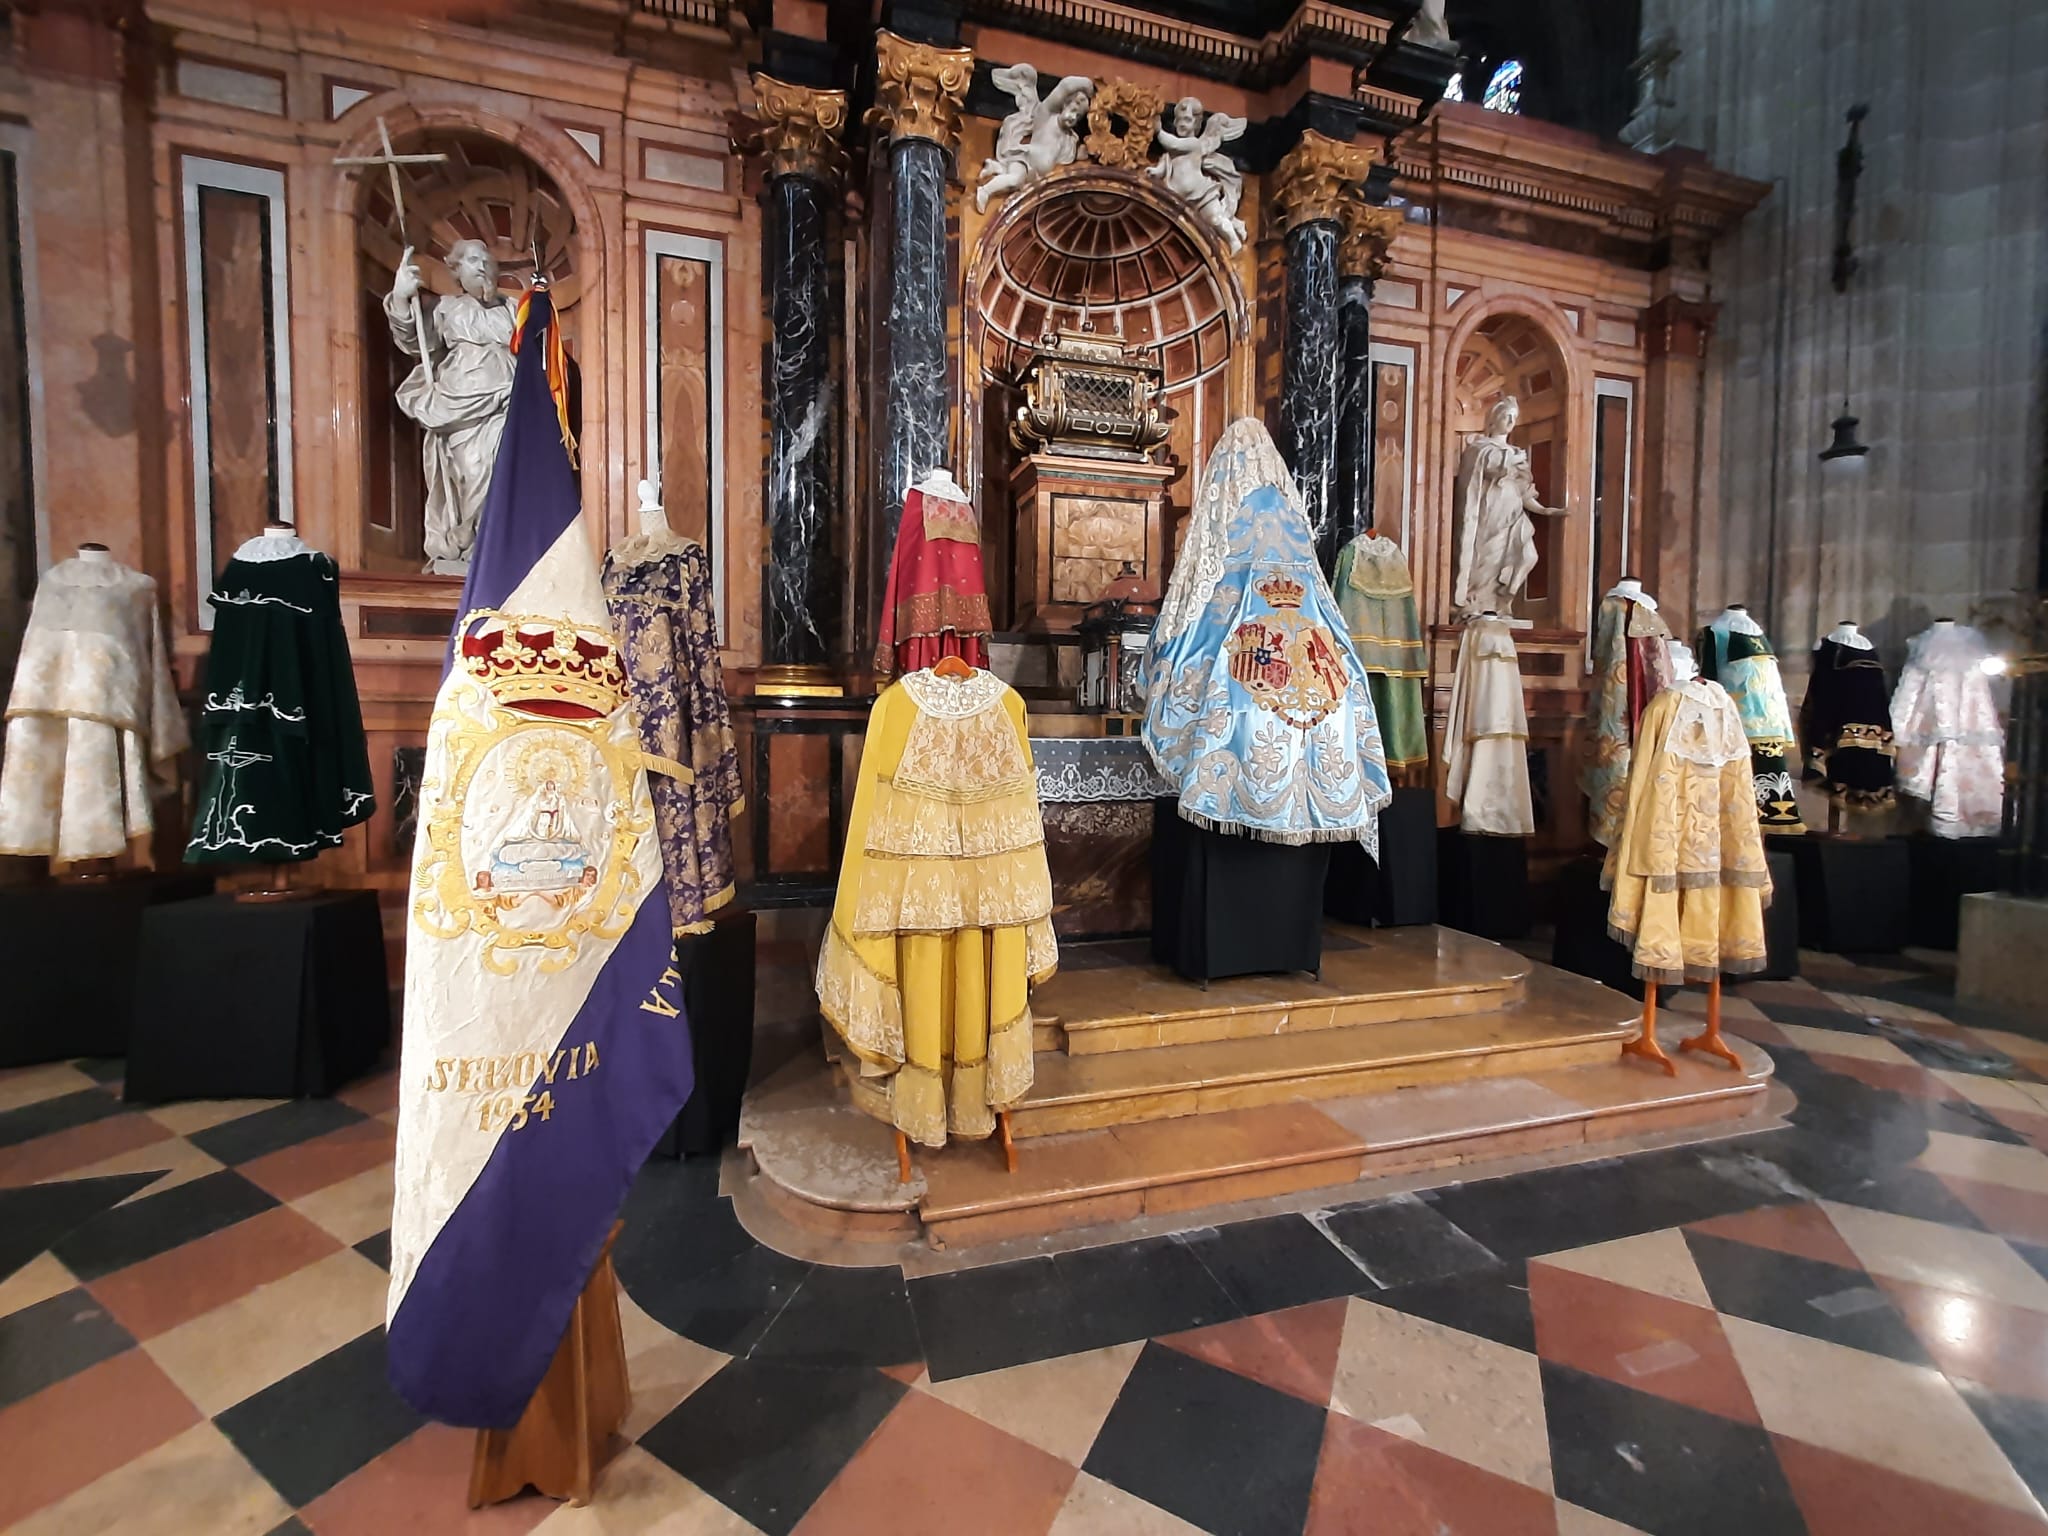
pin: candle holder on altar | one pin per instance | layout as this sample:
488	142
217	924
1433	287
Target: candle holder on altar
1116	634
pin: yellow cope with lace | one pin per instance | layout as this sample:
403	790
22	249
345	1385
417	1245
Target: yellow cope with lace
944	913
1687	871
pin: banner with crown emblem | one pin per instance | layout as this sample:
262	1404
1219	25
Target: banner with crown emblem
545	1049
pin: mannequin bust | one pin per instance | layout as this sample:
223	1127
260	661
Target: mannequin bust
656	537
97	553
1632	588
653	516
277	541
940	482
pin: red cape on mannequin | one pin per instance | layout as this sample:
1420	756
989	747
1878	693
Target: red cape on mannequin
936	603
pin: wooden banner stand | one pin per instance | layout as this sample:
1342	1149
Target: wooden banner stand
561	1440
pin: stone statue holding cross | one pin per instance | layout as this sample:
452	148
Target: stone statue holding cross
458	394
462	387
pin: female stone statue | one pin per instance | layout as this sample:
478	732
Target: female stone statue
1496	539
1038	136
1195	167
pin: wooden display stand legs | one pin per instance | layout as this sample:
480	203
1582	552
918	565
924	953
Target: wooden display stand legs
1707	1040
1002	1130
559	1443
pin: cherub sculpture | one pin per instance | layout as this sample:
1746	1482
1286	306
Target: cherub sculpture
1195	167
1038	136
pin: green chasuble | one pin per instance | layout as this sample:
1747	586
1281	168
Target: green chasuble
1377	599
281	735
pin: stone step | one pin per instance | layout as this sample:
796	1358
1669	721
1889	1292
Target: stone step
1163	1168
1111	997
1562	1021
827	1177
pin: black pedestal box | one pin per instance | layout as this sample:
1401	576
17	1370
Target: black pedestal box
1853	892
1583	947
67	949
1946	869
1399	890
1233	906
258	999
1483	883
717	971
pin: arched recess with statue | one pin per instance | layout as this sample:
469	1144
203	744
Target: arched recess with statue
1090	288
483	189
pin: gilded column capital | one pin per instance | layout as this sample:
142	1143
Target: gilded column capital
1368	233
799	129
919	89
1313	180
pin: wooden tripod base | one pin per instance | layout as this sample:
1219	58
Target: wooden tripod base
560	1442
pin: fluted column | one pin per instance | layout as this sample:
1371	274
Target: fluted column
1310	186
1361	258
918	94
802	159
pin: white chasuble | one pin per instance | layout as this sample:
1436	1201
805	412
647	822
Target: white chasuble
1486	737
93	724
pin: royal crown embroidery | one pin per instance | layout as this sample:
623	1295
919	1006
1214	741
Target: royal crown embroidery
1281	590
544	666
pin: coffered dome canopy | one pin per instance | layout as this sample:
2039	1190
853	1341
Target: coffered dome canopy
1116	255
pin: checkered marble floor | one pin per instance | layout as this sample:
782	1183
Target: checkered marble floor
1840	1327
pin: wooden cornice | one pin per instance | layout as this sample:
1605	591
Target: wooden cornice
1670	206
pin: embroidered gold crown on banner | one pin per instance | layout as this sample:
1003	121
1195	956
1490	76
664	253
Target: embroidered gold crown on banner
550	663
1281	591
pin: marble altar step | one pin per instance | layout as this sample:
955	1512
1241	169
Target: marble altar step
1559	1021
825	1187
1111	997
1161	1169
1241	1091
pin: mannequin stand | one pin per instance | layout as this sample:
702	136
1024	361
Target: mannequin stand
903	1171
1645	1045
1708	1041
276	886
559	1442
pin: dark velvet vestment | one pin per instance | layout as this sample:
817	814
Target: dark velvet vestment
286	770
658	589
1845	725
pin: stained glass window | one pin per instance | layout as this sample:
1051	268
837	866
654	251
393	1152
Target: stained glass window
1504	90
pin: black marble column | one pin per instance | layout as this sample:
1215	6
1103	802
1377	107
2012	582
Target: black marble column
1352	508
1309	375
914	427
799	588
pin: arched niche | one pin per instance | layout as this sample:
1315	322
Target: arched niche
1106	245
1512	353
486	189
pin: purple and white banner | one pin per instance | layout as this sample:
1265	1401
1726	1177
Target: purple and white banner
545	1047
